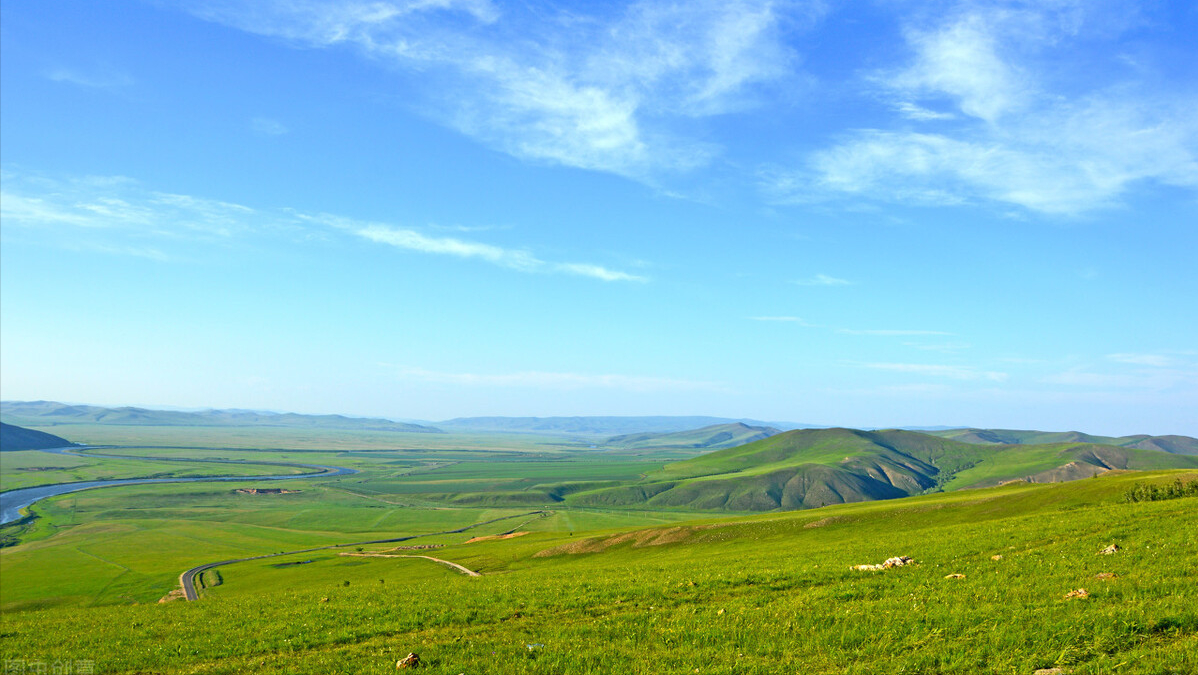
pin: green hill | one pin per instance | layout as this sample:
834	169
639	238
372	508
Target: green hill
13	437
1178	445
712	437
50	413
809	468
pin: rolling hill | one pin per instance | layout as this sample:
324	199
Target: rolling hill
1178	445
809	468
13	437
49	413
714	437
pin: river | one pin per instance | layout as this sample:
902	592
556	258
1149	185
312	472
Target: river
12	501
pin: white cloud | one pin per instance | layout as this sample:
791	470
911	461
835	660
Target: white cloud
594	91
948	347
961	61
116	203
125	208
516	259
933	370
1154	360
414	241
919	113
268	126
104	78
596	271
890	332
785	319
557	380
1020	139
822	280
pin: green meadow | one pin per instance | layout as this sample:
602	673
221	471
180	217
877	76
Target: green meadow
28	468
587	589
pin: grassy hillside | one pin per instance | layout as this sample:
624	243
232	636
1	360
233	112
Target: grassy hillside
49	413
1181	445
814	467
752	595
13	437
712	437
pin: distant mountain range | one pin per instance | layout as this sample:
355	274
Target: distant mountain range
599	426
1181	445
13	437
49	413
714	437
809	468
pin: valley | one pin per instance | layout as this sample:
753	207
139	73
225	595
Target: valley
655	558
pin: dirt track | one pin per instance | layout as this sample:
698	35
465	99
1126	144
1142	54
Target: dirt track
463	570
187	579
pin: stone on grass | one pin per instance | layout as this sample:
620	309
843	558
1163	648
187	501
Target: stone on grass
897	561
1080	594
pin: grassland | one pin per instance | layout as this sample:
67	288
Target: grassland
27	468
761	594
301	439
591	589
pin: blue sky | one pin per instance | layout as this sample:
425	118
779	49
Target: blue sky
861	214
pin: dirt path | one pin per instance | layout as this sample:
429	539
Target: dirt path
463	570
187	579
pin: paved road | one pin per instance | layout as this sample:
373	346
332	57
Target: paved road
187	579
13	501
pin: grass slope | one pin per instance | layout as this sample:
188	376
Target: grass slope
763	594
814	467
13	437
1181	445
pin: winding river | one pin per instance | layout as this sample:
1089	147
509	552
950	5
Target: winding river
12	501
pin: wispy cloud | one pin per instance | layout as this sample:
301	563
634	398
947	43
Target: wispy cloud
914	112
101	78
946	347
597	91
934	370
116	203
889	332
822	280
414	241
516	259
268	126
1153	360
1012	138
557	380
783	319
1157	379
123	207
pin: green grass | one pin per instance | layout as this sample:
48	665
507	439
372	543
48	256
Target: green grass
28	468
299	439
595	592
761	594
